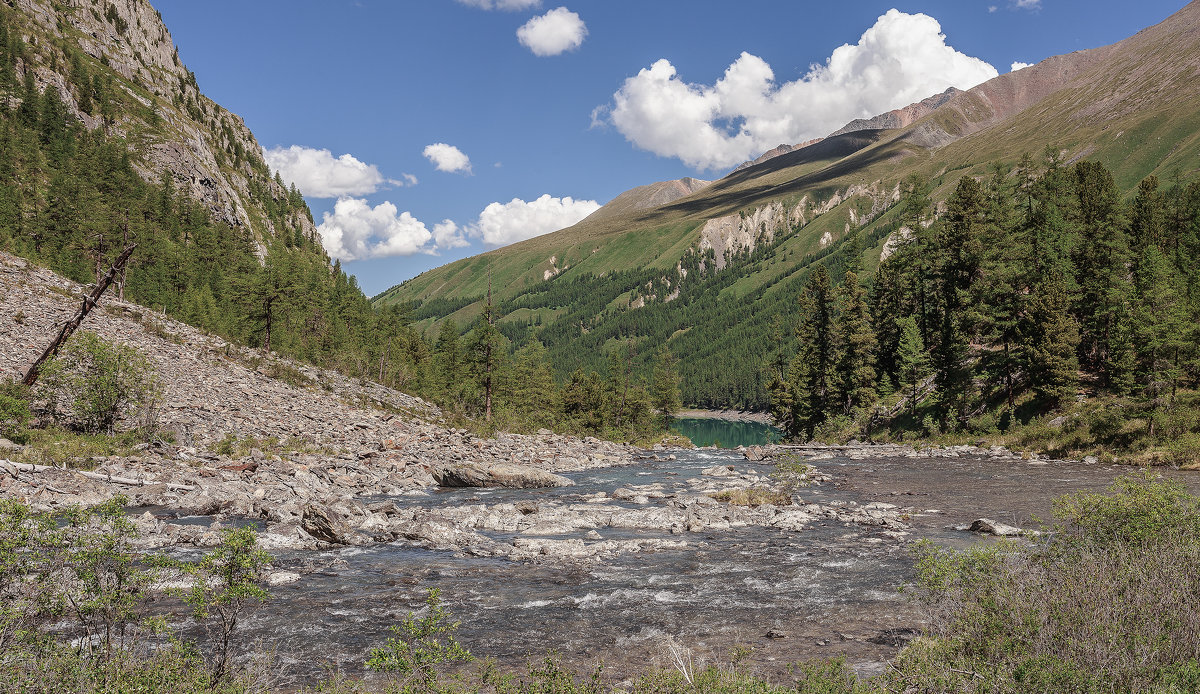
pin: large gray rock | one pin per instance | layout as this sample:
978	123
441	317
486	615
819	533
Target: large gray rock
510	475
324	525
988	526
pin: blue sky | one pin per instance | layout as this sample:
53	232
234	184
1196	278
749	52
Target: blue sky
559	110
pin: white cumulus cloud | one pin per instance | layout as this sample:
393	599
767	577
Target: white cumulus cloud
317	173
448	158
902	59
553	33
503	223
502	4
1018	65
447	234
355	231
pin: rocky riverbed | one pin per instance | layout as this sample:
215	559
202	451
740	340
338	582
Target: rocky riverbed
605	552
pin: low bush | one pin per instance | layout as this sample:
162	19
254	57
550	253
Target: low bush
1106	603
14	410
74	605
102	381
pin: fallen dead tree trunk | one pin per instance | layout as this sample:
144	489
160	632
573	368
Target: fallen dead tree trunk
127	481
89	302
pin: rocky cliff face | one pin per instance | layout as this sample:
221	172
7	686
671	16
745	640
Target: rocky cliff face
173	129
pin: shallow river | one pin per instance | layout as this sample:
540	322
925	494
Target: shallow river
830	589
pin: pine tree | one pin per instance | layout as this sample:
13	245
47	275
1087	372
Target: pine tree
916	256
533	393
1101	258
856	350
999	298
447	363
485	354
913	361
959	247
1147	224
1053	338
583	401
664	393
1160	323
887	303
813	396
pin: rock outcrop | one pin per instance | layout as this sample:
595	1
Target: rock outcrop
497	475
180	133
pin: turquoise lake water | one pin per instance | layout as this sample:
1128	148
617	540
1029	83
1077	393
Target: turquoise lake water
725	433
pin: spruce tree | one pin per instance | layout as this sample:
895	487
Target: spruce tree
856	350
913	361
1101	258
1053	338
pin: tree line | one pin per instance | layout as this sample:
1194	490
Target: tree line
1029	288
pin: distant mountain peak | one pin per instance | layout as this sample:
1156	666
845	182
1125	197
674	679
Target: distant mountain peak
897	118
648	197
900	117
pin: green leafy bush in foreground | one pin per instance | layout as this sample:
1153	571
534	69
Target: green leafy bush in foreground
74	606
1105	603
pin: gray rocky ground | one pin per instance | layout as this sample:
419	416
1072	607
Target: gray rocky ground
326	460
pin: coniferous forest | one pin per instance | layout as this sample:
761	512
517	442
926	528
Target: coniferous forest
72	199
1023	293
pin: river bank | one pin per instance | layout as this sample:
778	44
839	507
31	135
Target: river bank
730	415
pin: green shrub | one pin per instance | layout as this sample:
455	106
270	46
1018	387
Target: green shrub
225	584
14	410
103	382
82	566
1106	424
421	645
1106	603
1138	509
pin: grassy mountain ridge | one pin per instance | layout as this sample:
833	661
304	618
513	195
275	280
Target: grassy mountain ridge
1131	106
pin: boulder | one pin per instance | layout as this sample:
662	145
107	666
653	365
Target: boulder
324	525
510	475
280	578
987	526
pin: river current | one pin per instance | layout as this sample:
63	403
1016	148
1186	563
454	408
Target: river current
830	589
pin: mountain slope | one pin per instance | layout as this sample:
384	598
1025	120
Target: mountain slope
648	197
157	106
106	141
709	271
